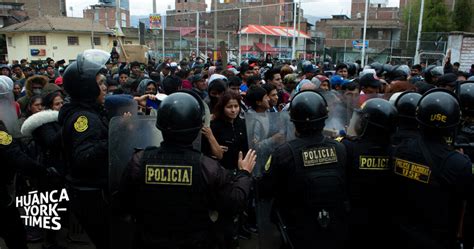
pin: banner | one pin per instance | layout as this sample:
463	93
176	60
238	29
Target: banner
155	21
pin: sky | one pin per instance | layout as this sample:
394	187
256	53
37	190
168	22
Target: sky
319	8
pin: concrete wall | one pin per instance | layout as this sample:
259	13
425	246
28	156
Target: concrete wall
56	45
462	49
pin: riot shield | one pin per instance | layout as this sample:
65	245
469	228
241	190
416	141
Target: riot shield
354	126
126	134
8	115
265	132
340	106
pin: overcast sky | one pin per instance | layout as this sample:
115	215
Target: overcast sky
319	8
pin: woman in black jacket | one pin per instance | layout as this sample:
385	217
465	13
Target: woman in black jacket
229	129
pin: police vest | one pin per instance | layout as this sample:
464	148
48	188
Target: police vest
368	173
318	182
426	204
172	199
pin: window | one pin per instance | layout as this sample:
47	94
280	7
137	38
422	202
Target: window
124	20
72	40
276	42
10	41
96	15
342	33
127	42
37	40
97	41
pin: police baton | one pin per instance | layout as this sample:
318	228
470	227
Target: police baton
283	230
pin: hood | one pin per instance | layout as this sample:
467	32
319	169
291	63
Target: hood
141	89
37	120
37	79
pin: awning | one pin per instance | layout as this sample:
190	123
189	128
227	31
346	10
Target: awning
274	31
266	48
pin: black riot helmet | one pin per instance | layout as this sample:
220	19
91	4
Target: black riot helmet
375	117
308	110
80	76
432	73
180	117
438	109
466	98
378	67
406	104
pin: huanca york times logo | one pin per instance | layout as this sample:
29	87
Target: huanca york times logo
41	209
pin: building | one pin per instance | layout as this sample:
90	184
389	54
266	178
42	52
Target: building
341	36
258	41
10	13
37	8
55	37
106	15
182	15
123	3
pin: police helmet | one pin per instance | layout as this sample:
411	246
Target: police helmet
377	67
406	104
466	98
432	73
180	116
308	107
352	69
375	114
80	76
439	109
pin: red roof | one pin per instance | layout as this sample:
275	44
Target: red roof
245	48
274	31
266	47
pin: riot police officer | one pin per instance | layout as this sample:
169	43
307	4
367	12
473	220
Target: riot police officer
13	160
174	192
431	179
85	142
306	178
465	140
368	173
432	74
406	104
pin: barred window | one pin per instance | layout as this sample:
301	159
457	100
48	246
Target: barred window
97	41
38	40
342	33
72	40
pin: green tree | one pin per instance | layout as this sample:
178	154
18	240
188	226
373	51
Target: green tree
462	15
437	18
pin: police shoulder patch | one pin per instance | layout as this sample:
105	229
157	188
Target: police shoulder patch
5	138
411	170
81	124
268	163
319	156
339	139
169	175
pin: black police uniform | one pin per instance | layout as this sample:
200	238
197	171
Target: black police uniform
306	177
368	175
84	135
431	180
175	193
12	229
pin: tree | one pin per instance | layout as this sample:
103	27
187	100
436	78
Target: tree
462	15
436	17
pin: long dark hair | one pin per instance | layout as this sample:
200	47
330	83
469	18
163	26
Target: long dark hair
223	101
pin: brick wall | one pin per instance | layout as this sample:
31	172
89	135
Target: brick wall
48	7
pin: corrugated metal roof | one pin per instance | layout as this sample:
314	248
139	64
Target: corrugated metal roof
56	24
274	31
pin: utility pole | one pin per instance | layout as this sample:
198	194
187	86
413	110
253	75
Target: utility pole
197	34
365	32
420	27
240	34
215	27
293	47
409	24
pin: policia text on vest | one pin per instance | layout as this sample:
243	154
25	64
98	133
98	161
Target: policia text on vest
169	175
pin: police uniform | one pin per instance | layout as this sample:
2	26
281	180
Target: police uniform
306	178
368	174
407	127
84	135
175	193
431	180
12	229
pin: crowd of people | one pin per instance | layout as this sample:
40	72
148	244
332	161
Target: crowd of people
396	171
